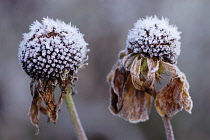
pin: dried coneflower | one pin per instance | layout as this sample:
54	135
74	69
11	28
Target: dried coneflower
51	53
152	48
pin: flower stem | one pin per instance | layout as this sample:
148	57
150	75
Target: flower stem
168	128
74	116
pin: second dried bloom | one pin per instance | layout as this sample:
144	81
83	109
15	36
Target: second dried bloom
51	53
152	49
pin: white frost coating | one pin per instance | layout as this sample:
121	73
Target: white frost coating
51	40
153	36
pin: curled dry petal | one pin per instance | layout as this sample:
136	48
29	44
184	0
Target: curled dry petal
175	95
46	93
126	101
152	69
43	90
143	73
117	84
128	60
136	103
174	70
135	71
34	110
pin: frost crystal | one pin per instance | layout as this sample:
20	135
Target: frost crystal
152	37
52	48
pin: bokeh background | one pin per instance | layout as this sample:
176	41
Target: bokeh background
105	24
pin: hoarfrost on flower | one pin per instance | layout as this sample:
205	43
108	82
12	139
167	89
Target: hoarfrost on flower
153	37
48	42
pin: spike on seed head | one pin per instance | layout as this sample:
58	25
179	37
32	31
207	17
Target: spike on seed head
154	38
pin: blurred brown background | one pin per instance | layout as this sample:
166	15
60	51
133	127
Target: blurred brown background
105	24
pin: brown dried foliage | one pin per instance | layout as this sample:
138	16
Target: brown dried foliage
126	101
43	92
132	89
175	95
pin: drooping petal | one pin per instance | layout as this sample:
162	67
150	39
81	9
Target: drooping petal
46	91
152	69
64	85
117	84
174	70
128	60
114	98
175	95
136	103
126	101
135	71
34	109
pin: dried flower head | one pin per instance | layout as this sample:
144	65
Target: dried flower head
152	37
151	51
51	54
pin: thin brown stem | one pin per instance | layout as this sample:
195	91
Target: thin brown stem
168	128
74	116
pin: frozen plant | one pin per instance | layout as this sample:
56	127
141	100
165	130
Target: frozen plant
152	48
51	53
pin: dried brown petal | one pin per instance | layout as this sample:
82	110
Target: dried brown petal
127	102
46	93
128	60
174	96
117	84
152	69
114	105
174	70
136	104
43	90
161	70
34	110
122	54
135	71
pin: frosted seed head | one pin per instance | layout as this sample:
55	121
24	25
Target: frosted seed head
46	46
152	36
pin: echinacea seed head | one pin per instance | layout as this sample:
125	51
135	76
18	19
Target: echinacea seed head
51	49
154	38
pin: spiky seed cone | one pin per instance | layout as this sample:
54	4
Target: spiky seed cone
52	48
154	38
